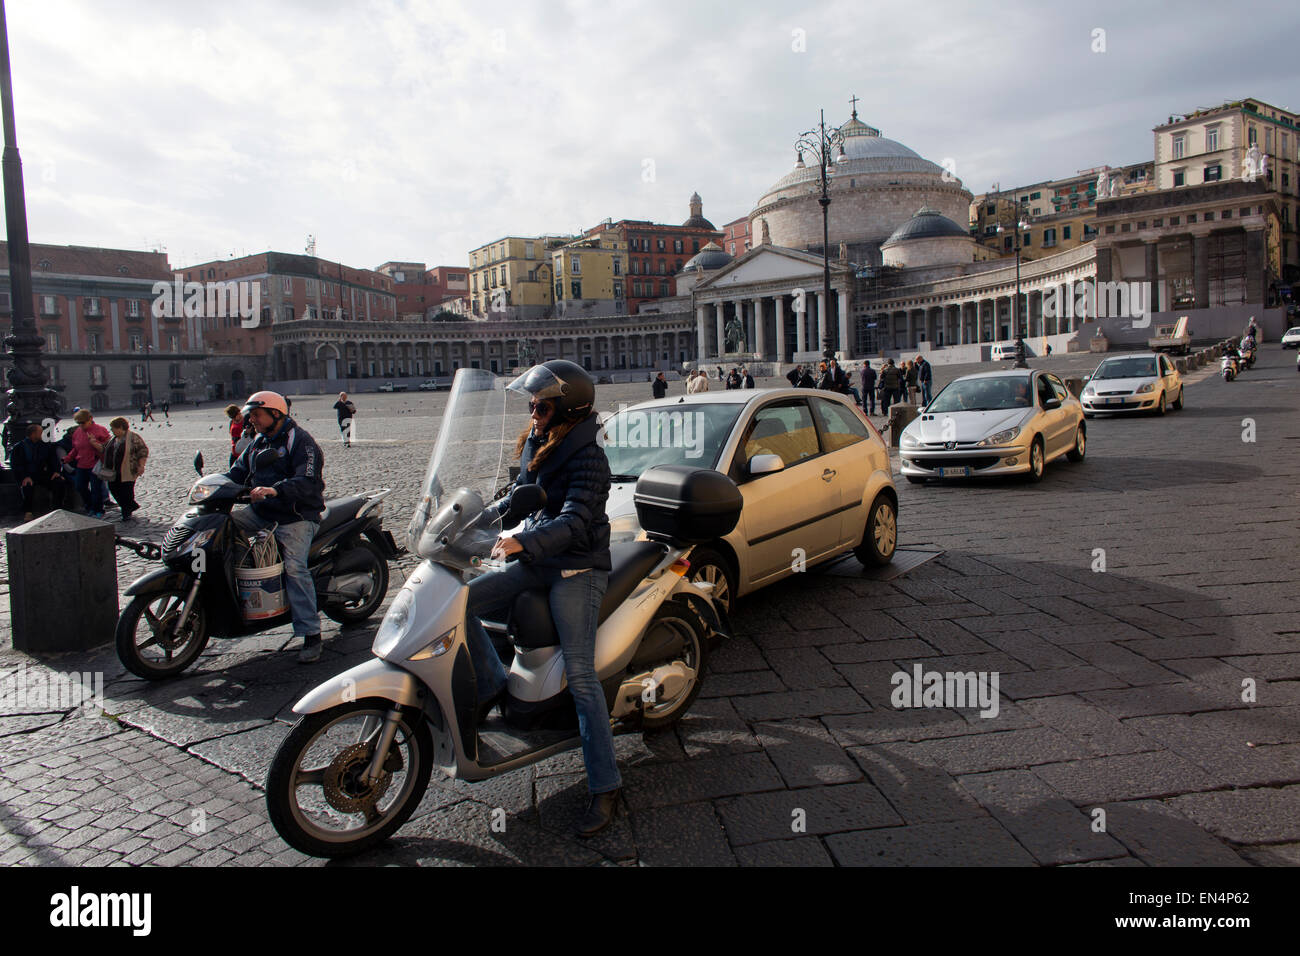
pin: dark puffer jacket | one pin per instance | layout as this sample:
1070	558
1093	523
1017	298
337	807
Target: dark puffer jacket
572	531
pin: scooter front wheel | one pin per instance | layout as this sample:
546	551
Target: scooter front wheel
148	643
315	795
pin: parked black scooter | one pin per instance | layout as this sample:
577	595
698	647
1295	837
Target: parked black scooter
174	610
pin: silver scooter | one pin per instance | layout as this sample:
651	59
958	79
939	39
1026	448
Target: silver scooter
358	761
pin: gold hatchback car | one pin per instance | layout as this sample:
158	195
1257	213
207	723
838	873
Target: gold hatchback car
813	471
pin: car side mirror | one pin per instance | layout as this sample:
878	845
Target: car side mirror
765	465
198	463
524	500
1052	403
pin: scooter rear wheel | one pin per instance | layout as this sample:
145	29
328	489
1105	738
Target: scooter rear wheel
159	653
679	620
314	796
354	612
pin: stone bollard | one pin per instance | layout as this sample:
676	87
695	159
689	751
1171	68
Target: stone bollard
1075	386
1181	365
901	414
62	583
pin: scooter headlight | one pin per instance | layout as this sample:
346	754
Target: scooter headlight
201	492
437	647
401	613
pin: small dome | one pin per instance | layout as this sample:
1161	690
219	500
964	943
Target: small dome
927	224
707	259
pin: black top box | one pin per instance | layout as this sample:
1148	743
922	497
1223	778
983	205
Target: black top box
690	505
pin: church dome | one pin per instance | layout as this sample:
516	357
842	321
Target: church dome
707	259
697	220
927	224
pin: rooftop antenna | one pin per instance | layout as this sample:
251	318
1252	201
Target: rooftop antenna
311	245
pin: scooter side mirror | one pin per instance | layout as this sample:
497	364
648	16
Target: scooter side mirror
524	500
198	463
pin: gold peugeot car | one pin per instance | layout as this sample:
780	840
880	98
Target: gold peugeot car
813	471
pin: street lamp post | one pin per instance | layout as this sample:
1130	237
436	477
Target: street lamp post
1021	224
148	372
29	400
819	142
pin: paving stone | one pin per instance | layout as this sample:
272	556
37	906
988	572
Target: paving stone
1087	723
799	703
1183	698
805	668
805	851
1260	815
881	650
1159	835
881	726
1000	750
918	789
774	816
712	727
741	682
1226	749
970	842
805	754
735	654
659	837
703	779
1048	826
1126	777
1283	854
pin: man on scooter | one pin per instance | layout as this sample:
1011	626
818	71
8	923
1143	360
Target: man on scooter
284	466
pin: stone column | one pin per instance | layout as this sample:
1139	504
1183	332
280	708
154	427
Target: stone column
821	321
760	339
699	330
801	323
1153	274
846	343
718	323
778	303
1201	271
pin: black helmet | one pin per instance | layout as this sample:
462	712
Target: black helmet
565	384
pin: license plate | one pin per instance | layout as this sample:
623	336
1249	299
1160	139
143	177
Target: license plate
955	472
1115	401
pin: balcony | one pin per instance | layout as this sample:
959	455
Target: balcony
52	312
138	317
94	314
99	386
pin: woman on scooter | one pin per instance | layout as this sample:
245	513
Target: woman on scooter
563	549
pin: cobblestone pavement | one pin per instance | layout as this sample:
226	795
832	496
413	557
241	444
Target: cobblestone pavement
1125	690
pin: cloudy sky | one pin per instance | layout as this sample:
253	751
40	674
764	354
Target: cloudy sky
418	130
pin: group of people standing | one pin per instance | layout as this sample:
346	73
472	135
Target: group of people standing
97	461
910	382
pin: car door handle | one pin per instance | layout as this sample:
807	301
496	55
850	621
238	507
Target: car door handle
828	474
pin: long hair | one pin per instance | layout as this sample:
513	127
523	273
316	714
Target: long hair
553	438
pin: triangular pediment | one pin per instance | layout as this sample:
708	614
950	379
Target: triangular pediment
766	263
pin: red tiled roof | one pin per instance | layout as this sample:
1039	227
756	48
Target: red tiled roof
87	261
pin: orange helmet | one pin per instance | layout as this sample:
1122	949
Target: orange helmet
273	402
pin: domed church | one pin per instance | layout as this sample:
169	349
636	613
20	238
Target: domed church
889	206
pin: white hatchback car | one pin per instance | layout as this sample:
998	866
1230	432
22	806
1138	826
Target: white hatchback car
813	472
994	423
1291	338
1142	382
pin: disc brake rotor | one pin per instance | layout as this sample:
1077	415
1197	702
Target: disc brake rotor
342	783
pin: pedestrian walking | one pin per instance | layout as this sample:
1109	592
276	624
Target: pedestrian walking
660	386
746	380
911	375
36	465
166	405
720	376
88	441
868	402
733	378
124	459
1049	349
924	377
346	412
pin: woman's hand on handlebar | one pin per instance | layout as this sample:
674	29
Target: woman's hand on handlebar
506	548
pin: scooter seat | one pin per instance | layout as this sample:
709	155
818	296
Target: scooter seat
338	511
530	624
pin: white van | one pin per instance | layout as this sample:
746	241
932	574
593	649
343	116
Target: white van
1003	352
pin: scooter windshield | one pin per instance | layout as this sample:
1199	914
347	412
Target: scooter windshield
470	463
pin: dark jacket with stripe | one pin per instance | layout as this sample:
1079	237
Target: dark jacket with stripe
572	531
293	465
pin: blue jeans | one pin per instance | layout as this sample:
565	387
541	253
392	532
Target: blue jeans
575	609
925	392
91	488
294	541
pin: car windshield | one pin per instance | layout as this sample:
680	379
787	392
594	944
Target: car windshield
1127	368
640	438
983	395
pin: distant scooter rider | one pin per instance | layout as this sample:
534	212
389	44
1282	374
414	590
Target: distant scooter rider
284	466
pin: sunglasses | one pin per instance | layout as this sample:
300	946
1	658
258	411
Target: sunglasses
543	408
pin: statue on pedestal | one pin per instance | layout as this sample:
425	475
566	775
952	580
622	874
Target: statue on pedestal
767	235
1103	184
735	335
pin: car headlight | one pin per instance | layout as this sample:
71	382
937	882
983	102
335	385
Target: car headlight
1001	438
398	619
1088	390
1148	387
908	440
625	528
